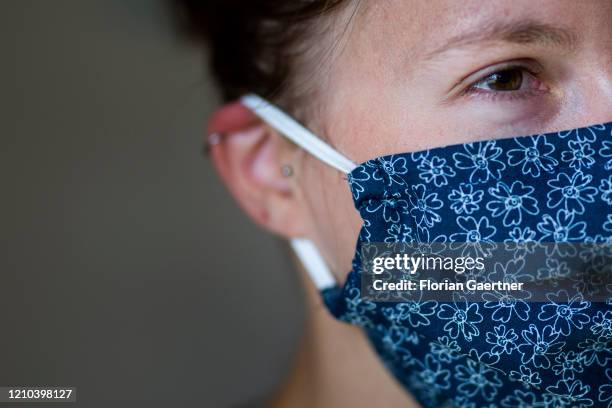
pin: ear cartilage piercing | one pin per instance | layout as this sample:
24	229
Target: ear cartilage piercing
212	140
287	170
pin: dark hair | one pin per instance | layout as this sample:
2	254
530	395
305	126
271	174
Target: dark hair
253	44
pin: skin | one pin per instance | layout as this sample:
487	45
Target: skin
406	76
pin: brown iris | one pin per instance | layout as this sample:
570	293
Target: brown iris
506	80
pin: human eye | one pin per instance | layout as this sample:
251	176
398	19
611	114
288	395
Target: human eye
508	80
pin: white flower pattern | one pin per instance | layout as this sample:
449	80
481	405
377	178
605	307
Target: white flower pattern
505	351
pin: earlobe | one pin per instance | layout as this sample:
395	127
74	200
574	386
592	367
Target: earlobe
249	158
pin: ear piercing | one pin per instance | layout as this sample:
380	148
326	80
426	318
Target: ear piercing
286	170
216	137
212	140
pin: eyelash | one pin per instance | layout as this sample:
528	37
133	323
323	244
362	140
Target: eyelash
528	75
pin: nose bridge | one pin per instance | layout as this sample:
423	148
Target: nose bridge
599	97
595	61
605	91
596	82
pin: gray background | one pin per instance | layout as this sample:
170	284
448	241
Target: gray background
125	268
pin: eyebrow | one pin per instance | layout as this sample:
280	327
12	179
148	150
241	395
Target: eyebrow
524	32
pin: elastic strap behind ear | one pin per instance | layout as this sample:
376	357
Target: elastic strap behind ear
305	249
297	133
314	263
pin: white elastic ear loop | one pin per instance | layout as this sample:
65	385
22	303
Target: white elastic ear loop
305	249
313	262
297	133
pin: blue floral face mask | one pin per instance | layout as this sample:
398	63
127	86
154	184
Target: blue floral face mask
504	350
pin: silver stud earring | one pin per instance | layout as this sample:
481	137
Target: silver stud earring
212	140
287	170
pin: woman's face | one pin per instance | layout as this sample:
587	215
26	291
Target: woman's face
411	75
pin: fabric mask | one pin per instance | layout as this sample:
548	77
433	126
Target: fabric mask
500	351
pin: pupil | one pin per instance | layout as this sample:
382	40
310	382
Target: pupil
509	80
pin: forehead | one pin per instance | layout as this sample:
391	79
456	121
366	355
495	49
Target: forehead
419	26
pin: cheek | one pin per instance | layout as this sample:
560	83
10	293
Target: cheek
334	221
506	118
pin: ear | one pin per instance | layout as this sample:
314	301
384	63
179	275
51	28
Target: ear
249	156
